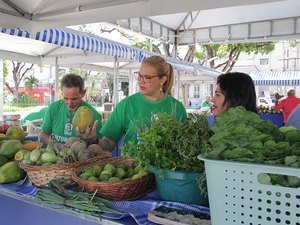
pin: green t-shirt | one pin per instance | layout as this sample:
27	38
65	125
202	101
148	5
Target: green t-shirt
207	104
58	121
135	112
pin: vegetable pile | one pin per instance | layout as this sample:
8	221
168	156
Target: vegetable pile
57	153
241	135
169	144
11	151
109	172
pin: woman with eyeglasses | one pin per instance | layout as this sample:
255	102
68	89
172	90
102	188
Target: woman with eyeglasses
134	113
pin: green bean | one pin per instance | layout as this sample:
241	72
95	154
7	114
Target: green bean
57	194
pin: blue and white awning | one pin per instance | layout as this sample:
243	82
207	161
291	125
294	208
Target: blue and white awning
15	32
271	78
78	40
86	42
90	43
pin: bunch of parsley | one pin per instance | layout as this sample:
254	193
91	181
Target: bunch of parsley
172	145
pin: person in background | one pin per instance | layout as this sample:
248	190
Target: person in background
207	102
288	104
294	118
57	122
234	89
134	113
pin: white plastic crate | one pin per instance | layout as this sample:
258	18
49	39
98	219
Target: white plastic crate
236	197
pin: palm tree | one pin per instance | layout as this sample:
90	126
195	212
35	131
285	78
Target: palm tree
31	81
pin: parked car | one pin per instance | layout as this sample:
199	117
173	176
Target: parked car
267	102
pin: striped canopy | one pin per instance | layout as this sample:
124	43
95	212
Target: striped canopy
90	43
271	78
86	42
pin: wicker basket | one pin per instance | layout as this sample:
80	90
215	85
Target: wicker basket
42	175
117	190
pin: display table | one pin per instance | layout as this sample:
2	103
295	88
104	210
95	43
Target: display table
276	119
19	206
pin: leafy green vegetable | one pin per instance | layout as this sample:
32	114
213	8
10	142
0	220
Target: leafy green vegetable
264	178
293	136
237	153
287	129
170	144
288	160
293	181
277	179
241	135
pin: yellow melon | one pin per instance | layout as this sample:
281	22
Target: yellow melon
83	118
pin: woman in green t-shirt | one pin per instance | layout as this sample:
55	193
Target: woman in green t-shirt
155	79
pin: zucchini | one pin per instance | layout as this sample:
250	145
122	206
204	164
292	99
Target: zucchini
11	172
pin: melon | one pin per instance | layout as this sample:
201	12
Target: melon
83	118
15	132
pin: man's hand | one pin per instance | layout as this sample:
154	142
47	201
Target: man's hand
90	134
44	137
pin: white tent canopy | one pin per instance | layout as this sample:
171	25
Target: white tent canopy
67	47
228	23
174	21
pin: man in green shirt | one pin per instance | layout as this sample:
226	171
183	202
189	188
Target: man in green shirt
58	118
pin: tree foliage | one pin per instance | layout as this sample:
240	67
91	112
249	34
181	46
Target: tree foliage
31	82
293	43
19	71
224	56
157	47
217	56
5	70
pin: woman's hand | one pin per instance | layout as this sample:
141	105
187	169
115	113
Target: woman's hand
90	134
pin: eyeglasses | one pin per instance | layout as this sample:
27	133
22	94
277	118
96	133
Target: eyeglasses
146	78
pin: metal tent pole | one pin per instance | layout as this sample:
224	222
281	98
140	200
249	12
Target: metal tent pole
131	80
178	85
56	78
1	88
116	82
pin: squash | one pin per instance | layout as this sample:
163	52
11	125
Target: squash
30	146
3	160
10	147
15	132
11	172
19	156
35	155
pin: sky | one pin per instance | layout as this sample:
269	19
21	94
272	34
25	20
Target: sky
95	29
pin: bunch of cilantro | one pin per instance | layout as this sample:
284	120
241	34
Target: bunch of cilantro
172	145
